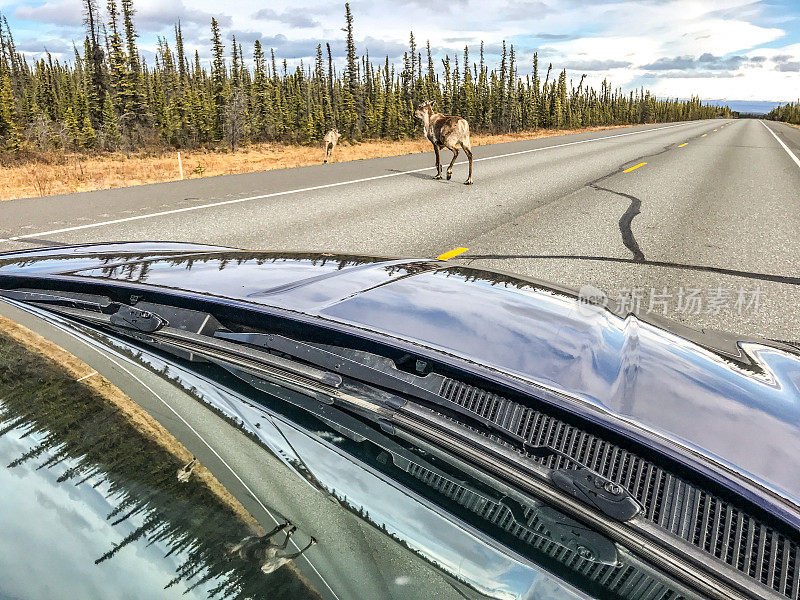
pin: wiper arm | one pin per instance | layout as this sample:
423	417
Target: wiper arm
583	483
120	314
323	381
153	328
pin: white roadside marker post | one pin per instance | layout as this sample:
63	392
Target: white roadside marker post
180	165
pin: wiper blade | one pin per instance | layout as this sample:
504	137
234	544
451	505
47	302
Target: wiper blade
363	366
582	483
121	314
322	379
45	298
233	353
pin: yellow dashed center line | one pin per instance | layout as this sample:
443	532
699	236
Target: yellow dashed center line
451	254
683	144
634	167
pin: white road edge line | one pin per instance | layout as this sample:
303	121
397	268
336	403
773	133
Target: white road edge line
784	146
315	187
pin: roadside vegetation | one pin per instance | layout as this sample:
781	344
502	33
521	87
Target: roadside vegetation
107	98
75	423
788	113
42	173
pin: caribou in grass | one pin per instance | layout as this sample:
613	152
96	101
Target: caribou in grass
331	139
445	132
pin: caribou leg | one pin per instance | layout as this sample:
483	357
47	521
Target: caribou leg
438	163
327	151
288	535
298	554
468	150
276	530
450	168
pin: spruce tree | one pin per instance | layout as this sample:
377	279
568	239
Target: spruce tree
95	64
87	136
182	70
71	123
134	106
111	135
9	132
218	78
352	99
117	59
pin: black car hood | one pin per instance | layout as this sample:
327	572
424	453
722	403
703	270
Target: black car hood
734	402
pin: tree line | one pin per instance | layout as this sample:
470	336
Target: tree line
788	113
109	98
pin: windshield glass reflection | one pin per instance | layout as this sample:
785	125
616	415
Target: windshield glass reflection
487	538
98	503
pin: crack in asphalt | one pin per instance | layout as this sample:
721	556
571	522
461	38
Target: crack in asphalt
635	206
625	222
629	240
633	209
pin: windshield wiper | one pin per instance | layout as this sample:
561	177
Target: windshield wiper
583	483
151	327
107	307
320	375
554	526
120	314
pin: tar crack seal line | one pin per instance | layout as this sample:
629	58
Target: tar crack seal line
625	222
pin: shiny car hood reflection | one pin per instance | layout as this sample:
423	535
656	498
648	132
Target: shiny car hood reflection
662	377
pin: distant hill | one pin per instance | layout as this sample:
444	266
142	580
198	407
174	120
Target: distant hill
755	107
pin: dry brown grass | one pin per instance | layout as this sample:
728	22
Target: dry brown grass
66	364
42	174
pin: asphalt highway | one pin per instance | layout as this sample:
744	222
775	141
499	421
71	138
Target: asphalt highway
698	221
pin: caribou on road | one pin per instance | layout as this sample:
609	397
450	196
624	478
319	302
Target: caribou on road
445	132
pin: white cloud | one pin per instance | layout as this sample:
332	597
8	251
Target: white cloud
62	12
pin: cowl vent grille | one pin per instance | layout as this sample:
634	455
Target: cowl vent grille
676	506
625	580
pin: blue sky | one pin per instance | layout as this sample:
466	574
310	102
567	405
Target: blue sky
720	49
